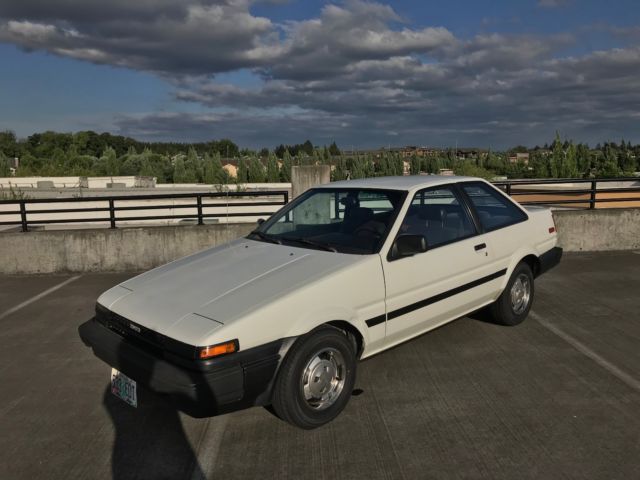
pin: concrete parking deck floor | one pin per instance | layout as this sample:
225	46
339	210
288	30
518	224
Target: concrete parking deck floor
557	397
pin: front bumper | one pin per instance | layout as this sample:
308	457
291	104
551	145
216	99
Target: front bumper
550	259
239	380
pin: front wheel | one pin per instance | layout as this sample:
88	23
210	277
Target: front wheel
514	303
316	379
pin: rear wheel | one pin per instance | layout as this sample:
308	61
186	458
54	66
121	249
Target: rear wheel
316	379
514	303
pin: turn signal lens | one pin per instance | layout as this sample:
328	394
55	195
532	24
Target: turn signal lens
219	349
552	229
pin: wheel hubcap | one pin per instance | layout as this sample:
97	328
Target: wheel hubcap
520	294
323	378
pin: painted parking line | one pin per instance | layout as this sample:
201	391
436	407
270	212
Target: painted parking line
208	447
38	297
586	351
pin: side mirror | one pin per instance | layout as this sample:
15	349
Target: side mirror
260	221
407	245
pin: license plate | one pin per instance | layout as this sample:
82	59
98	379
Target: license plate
124	388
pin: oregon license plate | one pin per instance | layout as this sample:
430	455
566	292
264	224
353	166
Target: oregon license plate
124	388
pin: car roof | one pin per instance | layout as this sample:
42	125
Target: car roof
408	182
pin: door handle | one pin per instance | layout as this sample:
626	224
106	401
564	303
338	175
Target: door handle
480	246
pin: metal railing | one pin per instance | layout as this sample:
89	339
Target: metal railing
114	208
112	205
525	192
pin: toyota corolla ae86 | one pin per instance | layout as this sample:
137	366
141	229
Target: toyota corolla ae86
343	272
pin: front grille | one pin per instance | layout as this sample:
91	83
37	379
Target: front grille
143	336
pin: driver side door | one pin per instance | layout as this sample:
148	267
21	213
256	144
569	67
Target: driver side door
453	276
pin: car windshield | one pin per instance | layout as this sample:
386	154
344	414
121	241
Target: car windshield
345	220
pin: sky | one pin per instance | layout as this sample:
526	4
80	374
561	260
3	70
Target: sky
364	74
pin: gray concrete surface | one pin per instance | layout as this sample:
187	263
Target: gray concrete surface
598	230
556	397
307	176
106	250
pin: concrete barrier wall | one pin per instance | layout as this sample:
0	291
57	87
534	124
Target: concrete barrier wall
307	176
136	249
598	230
105	250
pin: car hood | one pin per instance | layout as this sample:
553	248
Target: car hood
202	292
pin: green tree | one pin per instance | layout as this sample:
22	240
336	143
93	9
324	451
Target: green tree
146	170
583	159
317	157
397	163
307	147
193	172
607	164
4	165
357	167
256	171
242	175
8	143
213	173
222	175
570	164
339	172
557	158
470	169
494	162
383	166
334	151
227	148
111	165
539	164
626	162
285	170
273	171
179	172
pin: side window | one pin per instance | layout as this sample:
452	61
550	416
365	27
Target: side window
495	211
437	214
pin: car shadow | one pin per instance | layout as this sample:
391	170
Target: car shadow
150	441
482	315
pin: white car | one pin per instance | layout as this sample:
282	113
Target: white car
345	271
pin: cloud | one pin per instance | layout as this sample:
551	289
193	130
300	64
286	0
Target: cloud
357	73
166	36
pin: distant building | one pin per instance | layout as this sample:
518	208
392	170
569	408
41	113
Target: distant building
519	158
465	153
231	169
411	150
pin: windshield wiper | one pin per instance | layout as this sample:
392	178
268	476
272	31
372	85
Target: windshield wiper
265	237
311	243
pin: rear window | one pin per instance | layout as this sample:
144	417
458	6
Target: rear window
494	210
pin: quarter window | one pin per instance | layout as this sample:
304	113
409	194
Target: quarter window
438	215
494	210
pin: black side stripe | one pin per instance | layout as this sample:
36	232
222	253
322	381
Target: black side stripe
372	322
436	298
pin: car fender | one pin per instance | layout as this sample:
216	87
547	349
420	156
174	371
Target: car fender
516	258
308	321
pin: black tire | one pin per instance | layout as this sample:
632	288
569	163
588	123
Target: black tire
503	311
289	400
